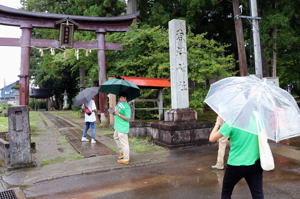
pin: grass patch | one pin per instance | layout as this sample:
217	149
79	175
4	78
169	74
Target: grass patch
74	156
62	140
107	132
69	156
143	145
53	161
72	114
34	121
59	112
35	139
36	132
3	124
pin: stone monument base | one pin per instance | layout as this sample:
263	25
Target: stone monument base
173	134
184	114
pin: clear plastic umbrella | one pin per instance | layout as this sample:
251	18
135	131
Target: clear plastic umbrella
253	105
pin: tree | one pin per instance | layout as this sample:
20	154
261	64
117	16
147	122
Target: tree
145	47
280	35
146	54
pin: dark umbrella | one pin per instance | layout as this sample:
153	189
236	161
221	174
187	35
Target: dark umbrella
86	95
118	86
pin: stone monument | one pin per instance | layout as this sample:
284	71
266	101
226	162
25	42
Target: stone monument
179	74
66	105
180	127
19	138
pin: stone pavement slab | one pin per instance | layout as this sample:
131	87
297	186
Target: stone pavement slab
289	152
29	176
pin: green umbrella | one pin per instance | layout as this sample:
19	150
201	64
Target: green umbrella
120	86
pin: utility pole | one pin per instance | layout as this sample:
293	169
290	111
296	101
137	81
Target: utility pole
256	39
240	38
132	6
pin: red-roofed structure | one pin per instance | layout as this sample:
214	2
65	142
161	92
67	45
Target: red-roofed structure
148	82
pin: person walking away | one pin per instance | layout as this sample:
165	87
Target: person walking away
121	126
90	121
222	143
243	160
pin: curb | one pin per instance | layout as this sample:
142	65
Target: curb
29	176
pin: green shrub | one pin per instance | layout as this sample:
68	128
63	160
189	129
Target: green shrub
36	104
75	108
4	109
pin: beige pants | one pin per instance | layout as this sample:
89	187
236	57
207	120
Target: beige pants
221	152
121	140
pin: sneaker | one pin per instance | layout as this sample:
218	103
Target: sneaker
217	167
121	156
84	139
93	141
123	161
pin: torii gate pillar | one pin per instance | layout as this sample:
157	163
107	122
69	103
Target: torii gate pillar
25	61
102	72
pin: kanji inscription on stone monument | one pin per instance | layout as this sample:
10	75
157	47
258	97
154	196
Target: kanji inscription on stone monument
178	64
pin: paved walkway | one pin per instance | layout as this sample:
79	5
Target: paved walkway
102	163
50	145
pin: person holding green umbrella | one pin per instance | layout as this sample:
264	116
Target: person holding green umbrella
118	86
126	91
121	125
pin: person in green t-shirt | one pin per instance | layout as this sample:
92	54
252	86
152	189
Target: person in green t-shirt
121	126
243	160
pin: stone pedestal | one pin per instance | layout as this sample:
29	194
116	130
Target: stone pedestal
173	134
19	138
177	134
176	115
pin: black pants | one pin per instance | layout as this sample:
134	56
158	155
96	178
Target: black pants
252	174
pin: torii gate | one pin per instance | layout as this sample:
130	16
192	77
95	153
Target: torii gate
28	20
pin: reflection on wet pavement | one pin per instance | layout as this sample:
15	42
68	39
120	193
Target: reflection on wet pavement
186	174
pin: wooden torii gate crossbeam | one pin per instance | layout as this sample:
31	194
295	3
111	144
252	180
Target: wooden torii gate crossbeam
28	20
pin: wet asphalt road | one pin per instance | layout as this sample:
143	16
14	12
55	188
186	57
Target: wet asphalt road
186	175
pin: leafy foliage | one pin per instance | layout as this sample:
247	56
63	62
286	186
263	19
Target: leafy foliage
283	17
146	54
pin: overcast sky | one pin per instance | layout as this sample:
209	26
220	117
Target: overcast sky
9	56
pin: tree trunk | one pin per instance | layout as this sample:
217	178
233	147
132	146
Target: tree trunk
240	38
82	82
265	63
274	53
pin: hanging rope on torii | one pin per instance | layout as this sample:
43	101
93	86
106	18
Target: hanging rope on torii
68	24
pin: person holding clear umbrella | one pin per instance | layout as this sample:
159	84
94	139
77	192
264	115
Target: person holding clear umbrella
246	104
243	160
